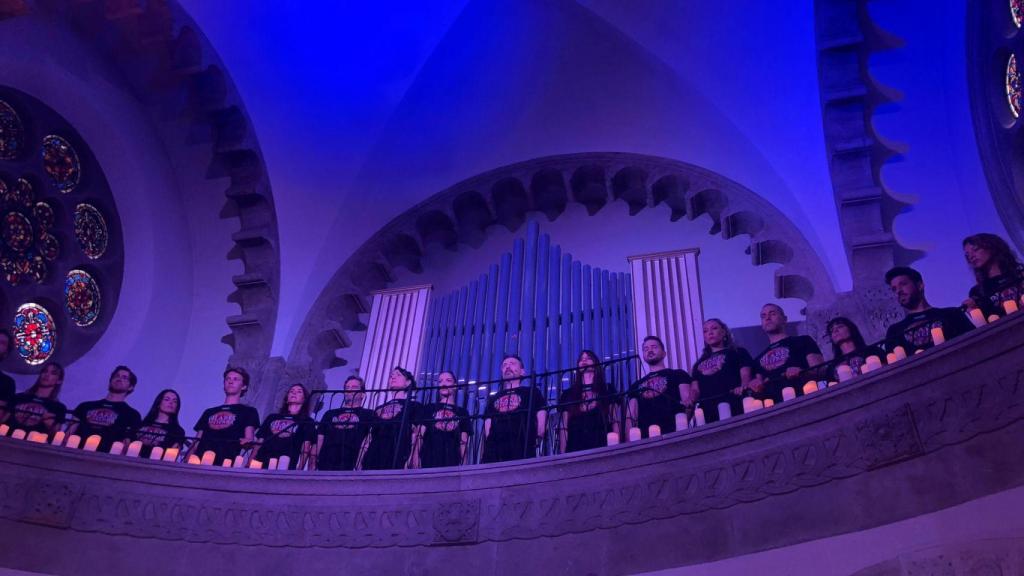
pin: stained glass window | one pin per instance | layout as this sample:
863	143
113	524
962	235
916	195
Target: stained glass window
12	133
81	297
26	229
35	336
91	230
1013	87
61	163
1017	11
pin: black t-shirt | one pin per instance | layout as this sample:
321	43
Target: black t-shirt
990	294
6	395
915	331
30	412
163	434
343	430
112	421
657	399
442	439
284	435
772	363
223	428
513	434
856	359
588	421
391	441
717	374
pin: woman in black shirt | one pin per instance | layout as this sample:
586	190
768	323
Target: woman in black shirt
37	409
999	275
723	373
160	427
290	432
389	444
848	346
446	428
586	417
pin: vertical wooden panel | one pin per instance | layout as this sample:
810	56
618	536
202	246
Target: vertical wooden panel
396	334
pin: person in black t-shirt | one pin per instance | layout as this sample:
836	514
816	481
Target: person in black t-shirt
111	418
848	346
7	390
160	426
515	418
342	430
661	394
586	413
786	358
914	332
998	272
227	428
37	409
290	432
389	444
446	428
723	373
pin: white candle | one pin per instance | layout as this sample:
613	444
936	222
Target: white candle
58	438
284	462
134	448
272	464
208	459
1009	306
653	430
634	434
117	448
900	352
156	453
37	437
226	463
871	363
92	443
255	464
937	336
239	462
4	429
750	404
194	460
977	317
613	438
832	383
698	417
992	318
18	434
788	393
768	402
724	411
171	455
844	372
680	421
891	358
810	388
918	351
73	441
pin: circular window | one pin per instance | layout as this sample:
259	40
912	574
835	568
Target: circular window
61	250
1016	8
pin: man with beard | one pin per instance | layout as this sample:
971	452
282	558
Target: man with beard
111	418
515	417
661	394
786	358
342	430
914	332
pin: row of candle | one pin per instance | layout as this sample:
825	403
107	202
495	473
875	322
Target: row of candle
978	318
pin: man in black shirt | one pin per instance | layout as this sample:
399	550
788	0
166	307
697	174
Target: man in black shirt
515	417
225	429
914	332
786	358
342	430
661	394
111	418
6	382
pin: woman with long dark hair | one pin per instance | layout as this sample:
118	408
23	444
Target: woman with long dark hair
848	346
723	373
586	414
446	428
288	432
389	444
37	409
997	271
160	427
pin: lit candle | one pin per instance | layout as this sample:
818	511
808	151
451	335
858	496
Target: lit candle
92	443
134	448
1010	306
768	402
810	388
255	464
4	429
918	351
73	441
226	463
194	460
992	318
891	358
239	462
698	417
833	383
977	317
58	438
634	434
117	448
284	462
844	372
272	464
680	421
171	455
750	404
724	411
37	437
900	352
937	336
788	393
208	459
613	438
18	434
157	453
